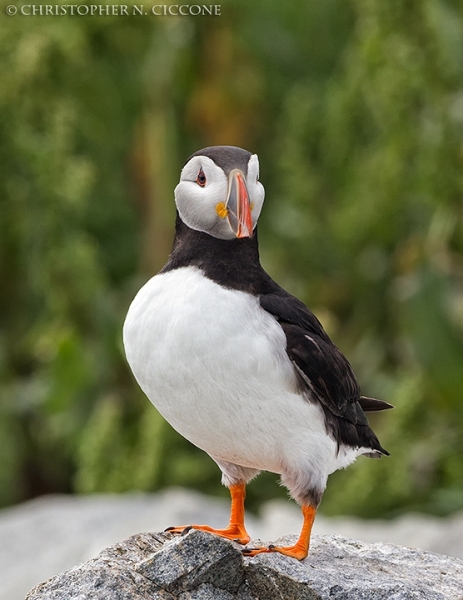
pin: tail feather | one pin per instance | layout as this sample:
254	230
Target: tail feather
372	405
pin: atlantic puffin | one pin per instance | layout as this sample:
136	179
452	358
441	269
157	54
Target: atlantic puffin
237	365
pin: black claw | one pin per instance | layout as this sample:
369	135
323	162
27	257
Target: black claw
187	529
271	546
175	530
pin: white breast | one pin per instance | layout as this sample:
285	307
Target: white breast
214	364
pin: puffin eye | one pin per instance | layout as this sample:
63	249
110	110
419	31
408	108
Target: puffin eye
201	179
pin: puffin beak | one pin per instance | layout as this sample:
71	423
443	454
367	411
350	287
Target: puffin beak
238	205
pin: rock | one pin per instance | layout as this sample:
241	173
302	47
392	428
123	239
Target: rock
189	561
197	565
201	566
443	535
338	568
48	535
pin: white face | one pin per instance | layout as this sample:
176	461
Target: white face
202	195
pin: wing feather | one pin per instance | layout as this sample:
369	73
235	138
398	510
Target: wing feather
324	371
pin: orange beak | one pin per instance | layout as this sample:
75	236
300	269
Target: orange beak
238	205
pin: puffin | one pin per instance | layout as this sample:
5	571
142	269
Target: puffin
237	365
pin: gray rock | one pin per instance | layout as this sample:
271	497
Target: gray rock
435	534
196	566
51	534
112	574
188	561
200	566
338	568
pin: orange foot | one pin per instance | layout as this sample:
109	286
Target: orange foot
236	530
237	533
297	551
300	548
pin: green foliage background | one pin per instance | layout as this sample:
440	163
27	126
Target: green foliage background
356	111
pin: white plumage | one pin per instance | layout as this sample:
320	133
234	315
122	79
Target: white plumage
214	364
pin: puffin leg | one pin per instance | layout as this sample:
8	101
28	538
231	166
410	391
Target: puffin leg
301	547
236	530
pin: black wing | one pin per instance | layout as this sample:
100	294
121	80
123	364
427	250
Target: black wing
325	371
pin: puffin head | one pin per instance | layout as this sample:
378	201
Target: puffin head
219	192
